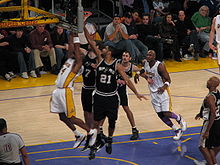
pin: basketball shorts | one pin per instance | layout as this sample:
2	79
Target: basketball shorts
105	106
62	102
218	54
214	135
86	99
122	92
160	102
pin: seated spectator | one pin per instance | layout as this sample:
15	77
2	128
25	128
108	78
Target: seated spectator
60	44
168	32
202	23
135	17
133	36
116	36
160	11
42	46
187	34
7	62
20	47
148	33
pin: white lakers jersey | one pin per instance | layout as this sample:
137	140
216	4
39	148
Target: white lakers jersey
66	77
153	73
217	29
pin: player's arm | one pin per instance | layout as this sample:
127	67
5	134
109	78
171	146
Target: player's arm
212	35
165	76
212	107
74	51
128	81
24	155
93	45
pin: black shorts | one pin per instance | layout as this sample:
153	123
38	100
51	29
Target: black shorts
123	95
105	106
214	135
86	99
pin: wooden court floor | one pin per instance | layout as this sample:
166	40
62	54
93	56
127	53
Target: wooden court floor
25	103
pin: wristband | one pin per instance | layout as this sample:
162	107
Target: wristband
76	40
167	83
138	72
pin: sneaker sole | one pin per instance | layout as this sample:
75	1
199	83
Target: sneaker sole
80	143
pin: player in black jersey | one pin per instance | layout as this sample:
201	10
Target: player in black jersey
89	66
122	91
106	99
209	142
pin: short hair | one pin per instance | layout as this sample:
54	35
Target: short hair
2	124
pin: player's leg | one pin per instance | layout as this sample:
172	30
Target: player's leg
130	116
86	99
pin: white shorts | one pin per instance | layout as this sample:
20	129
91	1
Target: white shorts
62	102
160	102
218	54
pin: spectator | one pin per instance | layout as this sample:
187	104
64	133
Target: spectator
11	145
160	11
60	44
187	34
42	46
135	17
202	23
133	36
7	62
168	32
212	5
116	36
190	7
148	33
20	47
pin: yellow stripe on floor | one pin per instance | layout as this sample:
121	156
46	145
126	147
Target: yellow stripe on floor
49	79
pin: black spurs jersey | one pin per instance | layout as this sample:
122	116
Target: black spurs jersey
88	72
128	71
106	83
205	111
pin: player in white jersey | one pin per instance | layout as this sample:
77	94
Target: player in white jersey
158	82
209	142
215	36
62	97
11	145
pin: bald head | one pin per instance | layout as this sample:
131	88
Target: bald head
215	81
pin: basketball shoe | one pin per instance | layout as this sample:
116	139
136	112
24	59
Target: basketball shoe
79	140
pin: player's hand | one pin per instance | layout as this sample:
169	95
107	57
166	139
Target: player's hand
206	135
197	117
212	47
150	80
122	82
140	97
136	78
160	90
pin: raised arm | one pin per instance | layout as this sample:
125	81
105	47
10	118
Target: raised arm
93	45
129	82
212	35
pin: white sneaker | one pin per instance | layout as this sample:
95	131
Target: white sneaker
33	74
12	74
79	140
196	162
93	134
183	124
24	75
8	77
178	135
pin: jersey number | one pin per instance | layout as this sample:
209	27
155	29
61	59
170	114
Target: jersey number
105	79
87	72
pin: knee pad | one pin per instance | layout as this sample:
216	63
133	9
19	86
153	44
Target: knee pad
160	115
112	123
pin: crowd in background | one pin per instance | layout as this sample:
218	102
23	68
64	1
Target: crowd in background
174	29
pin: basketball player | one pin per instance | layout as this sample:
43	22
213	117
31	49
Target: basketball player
122	91
209	142
62	98
158	82
11	145
215	33
106	99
